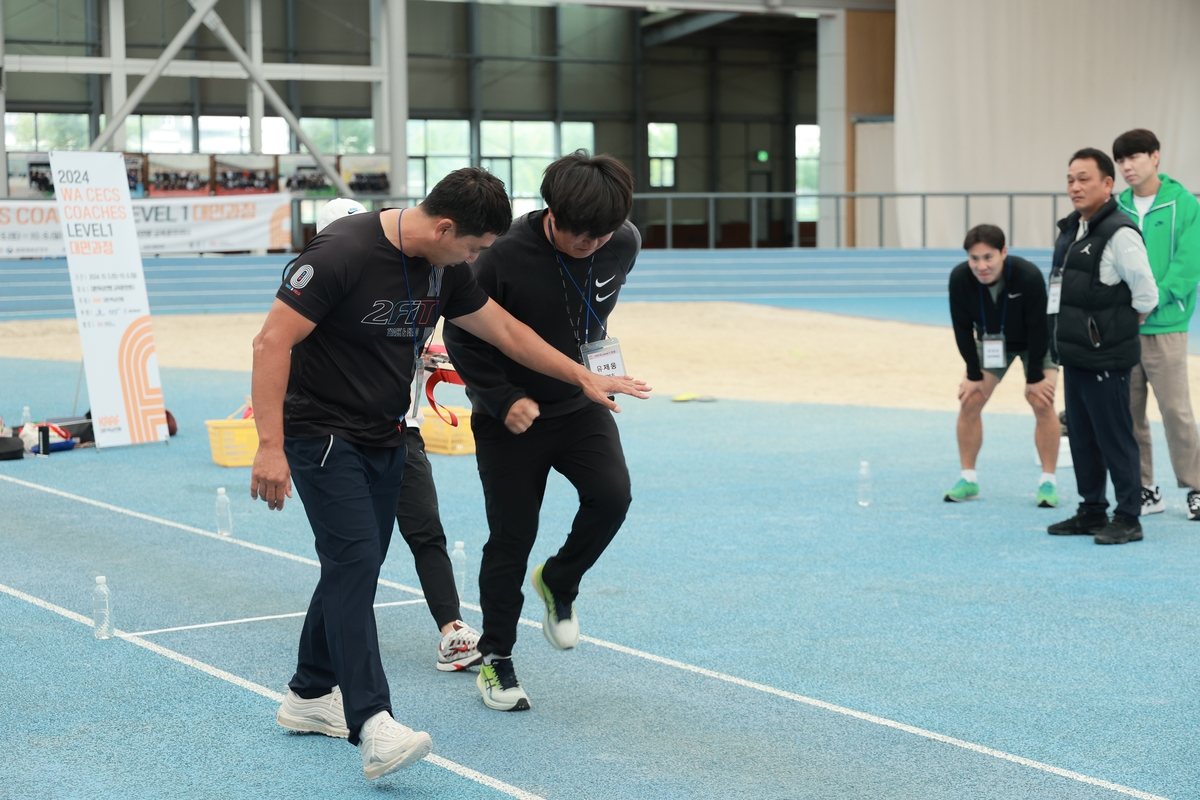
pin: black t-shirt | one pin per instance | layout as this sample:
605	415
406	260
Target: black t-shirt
351	376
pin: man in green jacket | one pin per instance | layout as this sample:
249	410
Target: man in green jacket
1169	217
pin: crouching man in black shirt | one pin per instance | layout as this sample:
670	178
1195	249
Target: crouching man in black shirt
559	271
998	309
333	366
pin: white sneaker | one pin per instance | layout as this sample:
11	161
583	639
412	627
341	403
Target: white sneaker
559	624
459	648
319	715
501	690
1152	502
387	746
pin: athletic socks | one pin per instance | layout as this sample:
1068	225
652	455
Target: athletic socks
970	476
1048	477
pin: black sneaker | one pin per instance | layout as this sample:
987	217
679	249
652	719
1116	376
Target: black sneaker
1082	524
1193	504
1120	530
1152	502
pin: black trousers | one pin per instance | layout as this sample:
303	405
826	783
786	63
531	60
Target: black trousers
586	449
1100	428
350	493
421	526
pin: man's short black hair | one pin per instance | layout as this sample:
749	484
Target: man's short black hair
991	235
1100	157
588	194
1130	143
474	198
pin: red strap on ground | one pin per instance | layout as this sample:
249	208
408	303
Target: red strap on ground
442	375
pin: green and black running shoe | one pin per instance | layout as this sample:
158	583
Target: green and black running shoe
559	623
963	490
1047	496
501	690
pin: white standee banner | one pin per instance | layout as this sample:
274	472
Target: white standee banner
110	297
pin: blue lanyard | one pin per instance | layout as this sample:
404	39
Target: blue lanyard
587	301
1003	308
437	297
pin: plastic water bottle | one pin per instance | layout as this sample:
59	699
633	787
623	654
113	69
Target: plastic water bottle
864	484
224	513
26	417
458	559
101	613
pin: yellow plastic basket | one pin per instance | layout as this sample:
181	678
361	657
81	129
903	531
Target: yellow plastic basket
234	441
444	440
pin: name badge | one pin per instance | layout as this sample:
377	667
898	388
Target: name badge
603	357
994	356
1054	300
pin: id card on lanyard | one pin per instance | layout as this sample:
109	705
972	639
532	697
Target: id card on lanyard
603	357
994	355
1054	298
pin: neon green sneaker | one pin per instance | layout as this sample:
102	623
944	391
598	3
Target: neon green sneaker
963	490
1047	496
559	623
501	690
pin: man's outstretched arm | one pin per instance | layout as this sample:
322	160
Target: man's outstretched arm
518	341
271	478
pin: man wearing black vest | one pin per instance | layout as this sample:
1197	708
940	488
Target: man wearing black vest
1101	290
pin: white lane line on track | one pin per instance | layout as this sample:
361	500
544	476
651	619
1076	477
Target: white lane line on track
721	676
257	619
229	677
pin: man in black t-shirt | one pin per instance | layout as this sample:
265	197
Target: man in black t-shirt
559	271
333	366
998	310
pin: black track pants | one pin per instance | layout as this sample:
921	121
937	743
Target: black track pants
350	493
421	526
586	449
1100	429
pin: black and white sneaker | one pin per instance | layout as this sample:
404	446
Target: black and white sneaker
1193	504
1152	502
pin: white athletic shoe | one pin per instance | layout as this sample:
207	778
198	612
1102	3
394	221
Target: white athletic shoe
459	648
319	715
1152	502
387	746
559	623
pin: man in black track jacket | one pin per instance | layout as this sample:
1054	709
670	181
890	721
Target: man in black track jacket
559	271
998	309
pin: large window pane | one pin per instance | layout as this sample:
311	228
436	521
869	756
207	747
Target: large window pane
533	139
20	132
447	137
416	176
224	134
527	176
495	138
166	134
438	168
133	134
62	132
276	136
578	136
321	131
808	141
808	163
663	139
501	168
416	138
356	136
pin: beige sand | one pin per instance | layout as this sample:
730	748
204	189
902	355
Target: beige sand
742	351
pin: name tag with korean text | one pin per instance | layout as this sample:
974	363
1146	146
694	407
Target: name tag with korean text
603	357
1054	299
994	356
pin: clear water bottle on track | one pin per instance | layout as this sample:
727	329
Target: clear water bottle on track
458	559
224	513
864	484
101	610
26	417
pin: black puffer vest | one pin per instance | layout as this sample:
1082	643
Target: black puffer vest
1096	327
